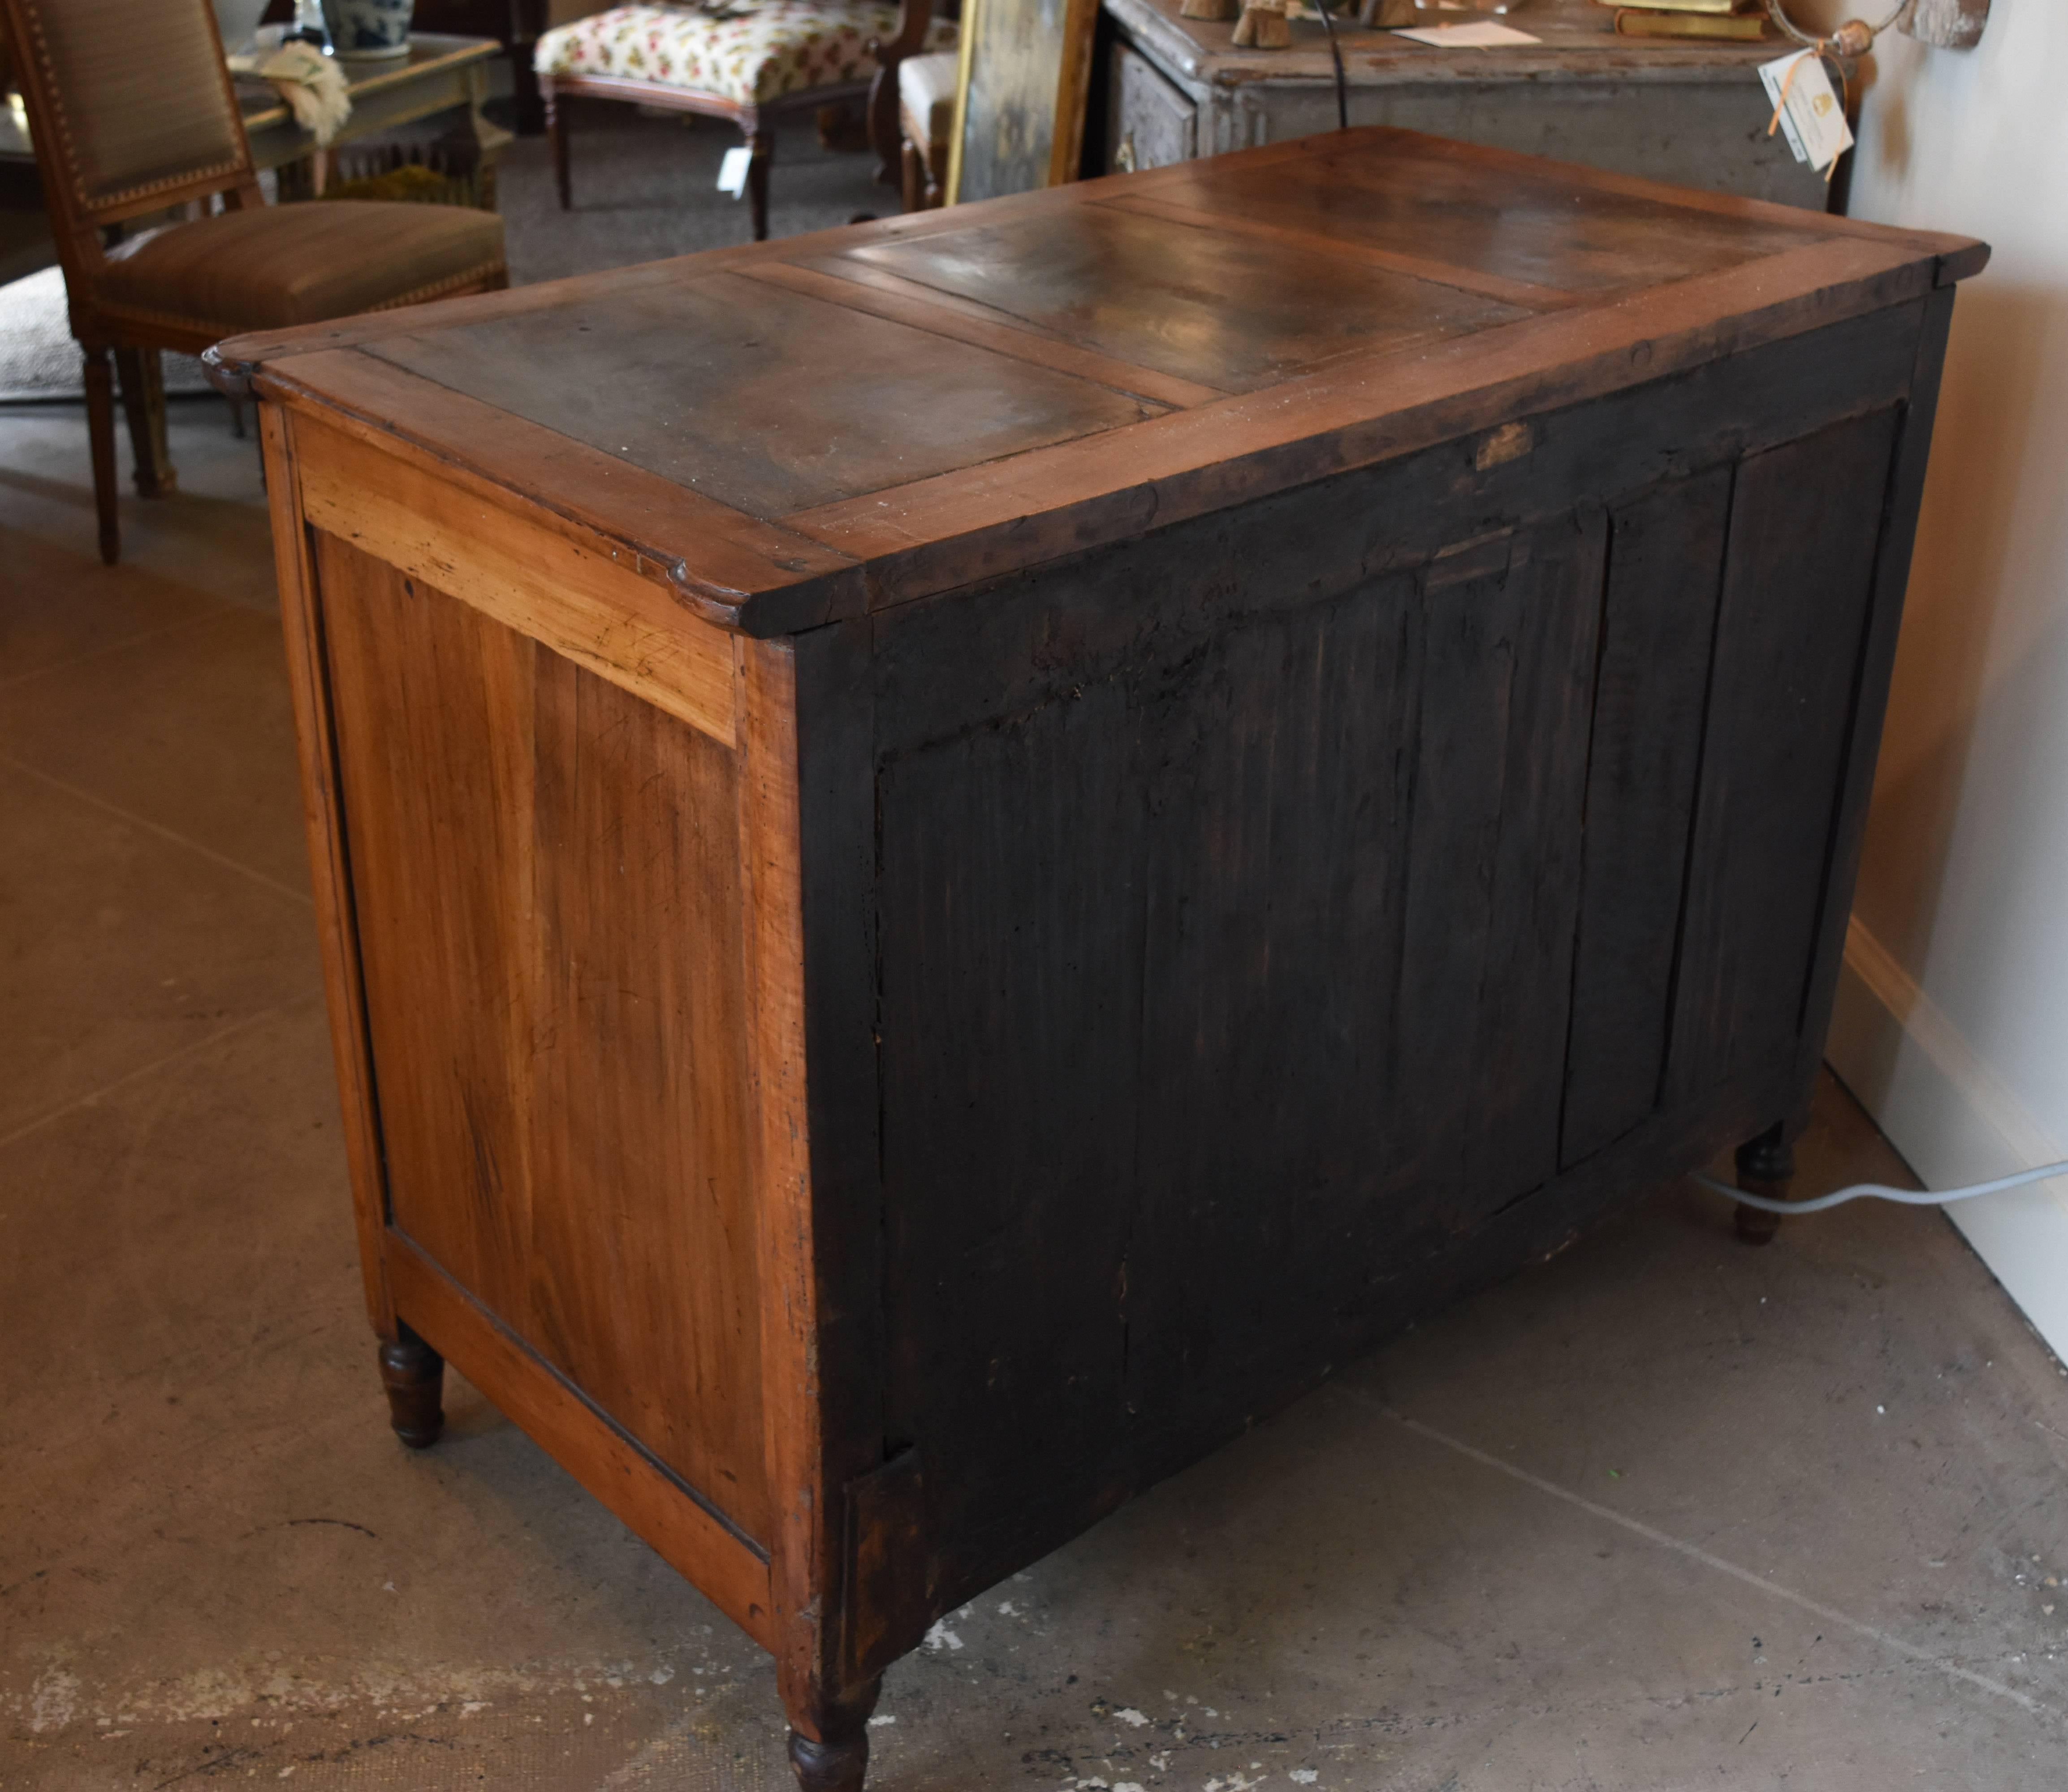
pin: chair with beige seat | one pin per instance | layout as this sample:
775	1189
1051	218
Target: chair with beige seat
925	120
134	114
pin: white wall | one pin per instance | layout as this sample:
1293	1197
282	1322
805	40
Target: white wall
1952	1023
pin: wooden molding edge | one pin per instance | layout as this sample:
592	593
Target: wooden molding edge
729	1568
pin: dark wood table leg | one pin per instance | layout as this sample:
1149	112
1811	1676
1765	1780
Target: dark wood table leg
143	400
836	1759
414	1376
1766	1166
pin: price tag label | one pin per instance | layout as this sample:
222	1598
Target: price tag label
1807	110
732	171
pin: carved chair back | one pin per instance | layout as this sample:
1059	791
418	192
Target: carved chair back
132	111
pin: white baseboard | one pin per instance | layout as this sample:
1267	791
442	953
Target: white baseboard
1955	1120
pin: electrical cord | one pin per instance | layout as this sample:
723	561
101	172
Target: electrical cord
1909	1197
1342	81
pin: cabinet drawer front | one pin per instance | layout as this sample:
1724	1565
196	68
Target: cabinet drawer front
1150	121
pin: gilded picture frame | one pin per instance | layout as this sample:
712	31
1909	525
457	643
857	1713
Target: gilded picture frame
1021	96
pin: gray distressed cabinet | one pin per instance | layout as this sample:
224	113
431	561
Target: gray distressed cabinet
1687	111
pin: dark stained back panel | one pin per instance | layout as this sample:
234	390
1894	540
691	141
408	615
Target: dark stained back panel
1666	564
1798	574
1322	872
1258	916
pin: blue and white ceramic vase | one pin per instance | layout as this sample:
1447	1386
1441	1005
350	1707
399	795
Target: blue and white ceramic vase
370	30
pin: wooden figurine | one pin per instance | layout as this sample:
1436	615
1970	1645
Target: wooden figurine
951	855
1262	25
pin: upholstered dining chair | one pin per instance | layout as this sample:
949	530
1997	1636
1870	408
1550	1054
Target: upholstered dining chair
133	114
925	119
745	60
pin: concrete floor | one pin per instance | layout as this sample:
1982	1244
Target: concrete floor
1666	1513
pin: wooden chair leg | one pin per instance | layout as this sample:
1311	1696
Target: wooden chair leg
556	139
101	430
936	174
1766	1166
884	132
762	146
414	1376
143	372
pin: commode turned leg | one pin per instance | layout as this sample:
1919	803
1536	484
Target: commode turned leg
836	1759
414	1376
1766	1166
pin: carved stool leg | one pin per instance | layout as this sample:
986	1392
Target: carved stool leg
414	1376
1766	1166
557	141
836	1759
762	149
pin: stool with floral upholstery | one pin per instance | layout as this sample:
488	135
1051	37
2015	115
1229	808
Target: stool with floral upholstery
740	59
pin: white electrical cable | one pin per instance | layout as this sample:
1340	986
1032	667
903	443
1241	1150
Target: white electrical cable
1909	1197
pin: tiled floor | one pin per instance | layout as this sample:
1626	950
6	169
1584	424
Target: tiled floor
1666	1513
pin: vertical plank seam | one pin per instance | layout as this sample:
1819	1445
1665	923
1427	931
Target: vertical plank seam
1849	747
1697	810
1586	812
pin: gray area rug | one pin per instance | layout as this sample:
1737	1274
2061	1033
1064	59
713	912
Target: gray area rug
644	188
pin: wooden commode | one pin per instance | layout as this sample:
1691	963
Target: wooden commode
954	855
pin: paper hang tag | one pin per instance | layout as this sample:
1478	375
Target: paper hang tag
1808	111
732	171
1479	34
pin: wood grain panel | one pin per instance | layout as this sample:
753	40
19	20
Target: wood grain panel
1959	256
1798	576
1658	625
432	704
642	1248
1526	293
545	871
641	523
867	289
939	534
1220	308
1545	230
771	400
620	627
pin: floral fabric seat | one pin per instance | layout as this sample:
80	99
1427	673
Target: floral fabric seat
749	52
